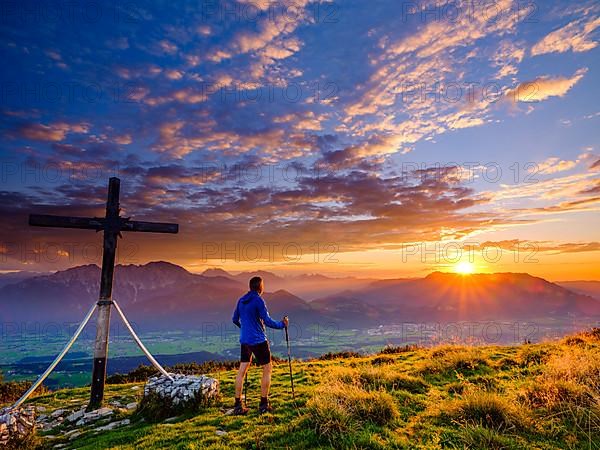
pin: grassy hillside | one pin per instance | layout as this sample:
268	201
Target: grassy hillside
543	396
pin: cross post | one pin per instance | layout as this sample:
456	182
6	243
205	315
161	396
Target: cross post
111	224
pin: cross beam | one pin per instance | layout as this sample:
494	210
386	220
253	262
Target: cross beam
111	224
99	223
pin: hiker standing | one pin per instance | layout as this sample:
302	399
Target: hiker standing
251	316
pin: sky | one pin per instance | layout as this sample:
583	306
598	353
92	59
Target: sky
377	139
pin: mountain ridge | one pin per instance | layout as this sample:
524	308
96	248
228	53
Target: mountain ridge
164	295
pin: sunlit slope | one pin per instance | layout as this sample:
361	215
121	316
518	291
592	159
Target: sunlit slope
530	396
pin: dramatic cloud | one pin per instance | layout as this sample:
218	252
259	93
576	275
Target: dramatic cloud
576	36
55	132
291	121
544	87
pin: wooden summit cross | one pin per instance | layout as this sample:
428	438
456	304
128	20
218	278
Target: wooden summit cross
111	224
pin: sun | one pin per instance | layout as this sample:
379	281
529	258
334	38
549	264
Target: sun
464	268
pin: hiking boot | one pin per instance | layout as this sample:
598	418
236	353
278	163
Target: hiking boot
265	407
240	410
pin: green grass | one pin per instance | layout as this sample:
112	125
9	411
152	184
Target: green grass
542	396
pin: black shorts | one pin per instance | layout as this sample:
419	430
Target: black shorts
261	351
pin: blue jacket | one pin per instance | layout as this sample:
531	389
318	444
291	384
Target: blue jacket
251	311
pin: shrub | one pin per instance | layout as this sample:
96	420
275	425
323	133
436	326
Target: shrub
11	391
337	408
587	337
339	355
392	349
381	360
140	373
143	372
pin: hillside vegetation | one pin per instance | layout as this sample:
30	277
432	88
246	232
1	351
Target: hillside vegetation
543	396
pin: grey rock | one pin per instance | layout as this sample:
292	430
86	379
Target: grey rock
76	415
57	413
75	435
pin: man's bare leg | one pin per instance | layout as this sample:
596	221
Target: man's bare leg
265	382
240	408
265	386
239	379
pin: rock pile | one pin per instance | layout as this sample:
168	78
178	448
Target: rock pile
183	389
77	417
16	424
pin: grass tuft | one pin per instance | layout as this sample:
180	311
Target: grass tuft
447	360
530	355
555	394
485	409
377	378
338	408
477	437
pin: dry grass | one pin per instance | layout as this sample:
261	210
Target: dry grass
532	355
576	364
377	378
569	385
448	359
587	337
554	394
484	409
478	437
339	408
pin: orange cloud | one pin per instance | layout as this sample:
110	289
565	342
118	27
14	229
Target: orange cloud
544	87
575	36
55	132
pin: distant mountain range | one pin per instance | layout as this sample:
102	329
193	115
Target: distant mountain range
161	295
307	286
591	288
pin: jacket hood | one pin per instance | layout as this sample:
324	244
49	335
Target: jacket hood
248	296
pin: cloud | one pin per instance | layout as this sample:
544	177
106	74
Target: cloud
54	132
398	96
543	246
123	139
544	87
586	204
266	39
173	74
555	165
507	57
594	190
575	36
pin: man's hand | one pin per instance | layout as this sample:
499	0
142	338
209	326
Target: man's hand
286	321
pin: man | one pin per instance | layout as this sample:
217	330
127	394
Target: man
251	316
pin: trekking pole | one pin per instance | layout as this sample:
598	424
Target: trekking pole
287	340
